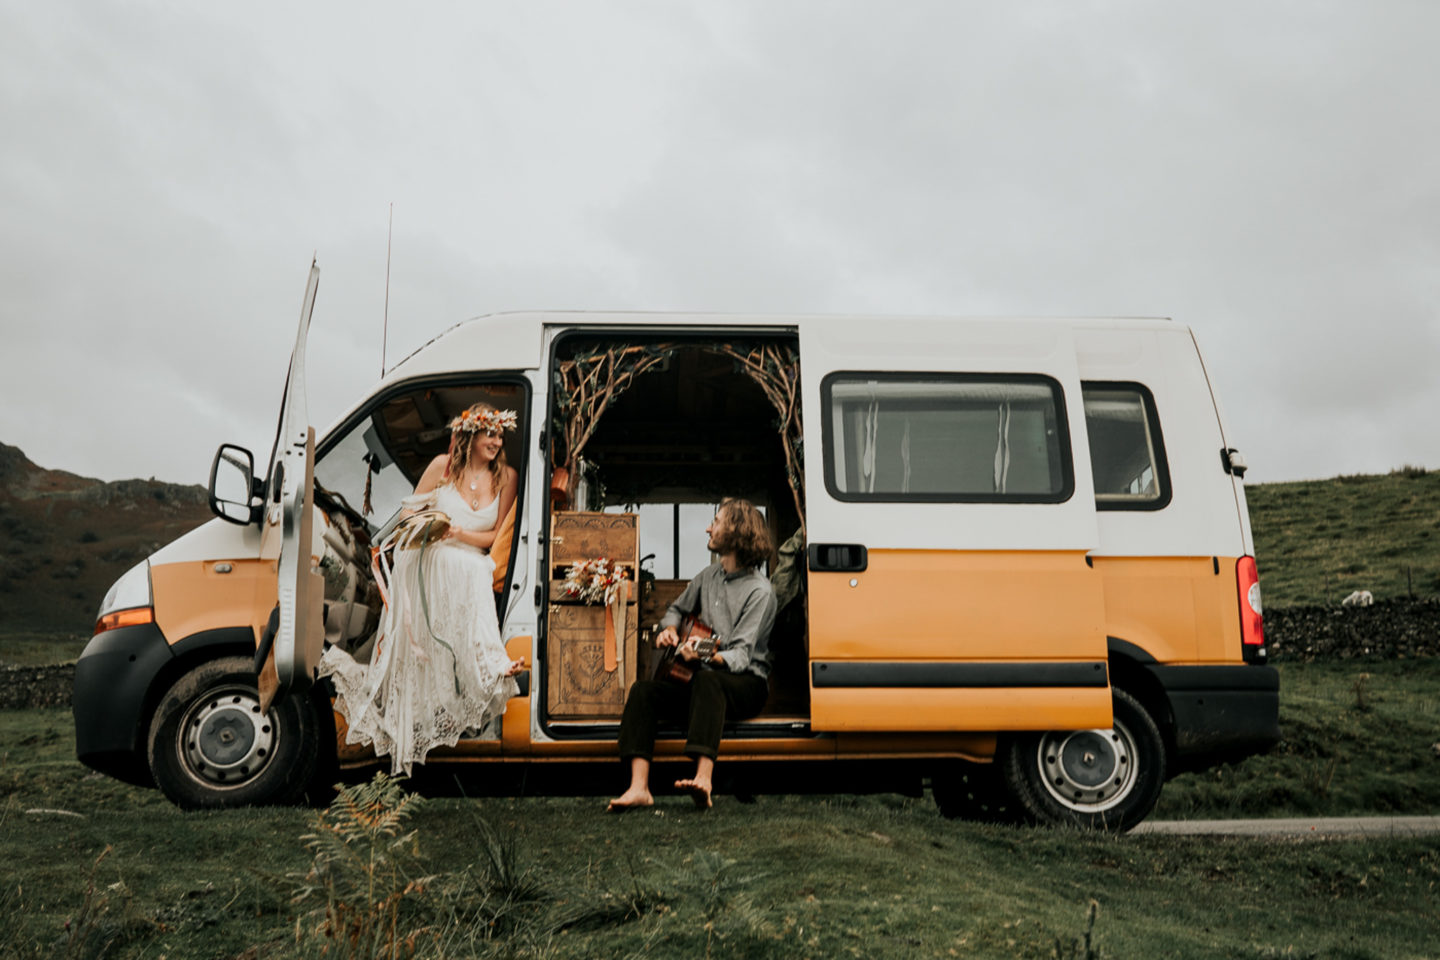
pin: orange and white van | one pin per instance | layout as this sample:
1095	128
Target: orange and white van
1017	566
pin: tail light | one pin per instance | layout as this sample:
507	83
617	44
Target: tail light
1252	618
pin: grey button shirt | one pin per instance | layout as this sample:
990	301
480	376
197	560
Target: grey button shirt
740	607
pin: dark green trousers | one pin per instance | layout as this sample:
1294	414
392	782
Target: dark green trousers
705	703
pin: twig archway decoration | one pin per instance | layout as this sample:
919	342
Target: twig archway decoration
587	385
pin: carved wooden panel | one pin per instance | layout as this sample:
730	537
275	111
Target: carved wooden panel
579	687
585	536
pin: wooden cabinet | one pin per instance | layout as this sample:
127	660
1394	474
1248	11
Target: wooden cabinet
578	687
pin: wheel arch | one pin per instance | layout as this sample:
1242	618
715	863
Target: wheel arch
207	645
1127	663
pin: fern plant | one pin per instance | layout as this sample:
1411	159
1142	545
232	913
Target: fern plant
364	867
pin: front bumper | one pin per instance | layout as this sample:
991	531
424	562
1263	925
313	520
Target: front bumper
112	677
1221	713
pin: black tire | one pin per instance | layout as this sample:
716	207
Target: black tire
973	791
210	748
1097	779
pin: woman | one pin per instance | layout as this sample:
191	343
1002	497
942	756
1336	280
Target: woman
439	667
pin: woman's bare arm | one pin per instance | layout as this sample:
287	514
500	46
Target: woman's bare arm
430	480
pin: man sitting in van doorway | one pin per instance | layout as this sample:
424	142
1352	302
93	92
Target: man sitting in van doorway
733	598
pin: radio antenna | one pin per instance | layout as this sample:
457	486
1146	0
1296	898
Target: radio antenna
385	333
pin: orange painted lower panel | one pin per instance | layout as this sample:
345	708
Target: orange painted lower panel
882	709
191	596
1176	609
959	605
515	725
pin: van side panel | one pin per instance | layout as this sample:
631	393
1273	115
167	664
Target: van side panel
978	645
1169	574
965	605
1177	609
191	596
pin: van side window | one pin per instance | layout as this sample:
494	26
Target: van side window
970	438
1127	455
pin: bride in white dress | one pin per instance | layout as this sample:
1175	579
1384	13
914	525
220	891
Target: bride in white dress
439	667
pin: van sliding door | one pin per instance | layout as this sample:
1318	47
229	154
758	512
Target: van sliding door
948	528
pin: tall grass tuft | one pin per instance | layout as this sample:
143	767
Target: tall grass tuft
1081	947
364	867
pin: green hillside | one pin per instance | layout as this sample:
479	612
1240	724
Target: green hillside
1318	540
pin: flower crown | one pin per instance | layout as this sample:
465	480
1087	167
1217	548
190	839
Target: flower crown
487	421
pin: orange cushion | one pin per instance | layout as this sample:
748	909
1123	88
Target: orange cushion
500	549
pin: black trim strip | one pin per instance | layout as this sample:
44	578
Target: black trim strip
1217	677
1090	673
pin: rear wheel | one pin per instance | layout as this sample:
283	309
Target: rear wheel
210	746
1100	779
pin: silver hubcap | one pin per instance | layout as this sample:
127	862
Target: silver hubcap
1088	770
225	742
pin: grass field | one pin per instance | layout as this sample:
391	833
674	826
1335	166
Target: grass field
99	869
30	648
782	877
1317	540
1358	738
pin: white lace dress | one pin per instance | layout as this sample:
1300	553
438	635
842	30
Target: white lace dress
438	660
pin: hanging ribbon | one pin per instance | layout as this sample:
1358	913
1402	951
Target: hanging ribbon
615	625
407	535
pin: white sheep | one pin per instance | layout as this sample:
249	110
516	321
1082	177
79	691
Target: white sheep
1360	598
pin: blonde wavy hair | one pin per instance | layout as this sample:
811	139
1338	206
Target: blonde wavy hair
462	443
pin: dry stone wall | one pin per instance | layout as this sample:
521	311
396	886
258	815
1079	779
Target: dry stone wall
48	686
1387	630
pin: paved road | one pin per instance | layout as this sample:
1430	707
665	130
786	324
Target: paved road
1298	827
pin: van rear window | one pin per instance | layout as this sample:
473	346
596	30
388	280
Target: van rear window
979	438
1127	456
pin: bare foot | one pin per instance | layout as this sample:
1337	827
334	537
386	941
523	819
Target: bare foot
631	799
699	790
517	666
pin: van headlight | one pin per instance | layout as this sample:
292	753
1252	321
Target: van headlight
128	601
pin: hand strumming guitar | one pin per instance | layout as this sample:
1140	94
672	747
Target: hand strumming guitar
669	637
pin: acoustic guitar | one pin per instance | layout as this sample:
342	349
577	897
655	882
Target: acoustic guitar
669	666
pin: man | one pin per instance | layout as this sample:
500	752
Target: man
733	598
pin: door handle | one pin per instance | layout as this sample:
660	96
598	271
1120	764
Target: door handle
837	557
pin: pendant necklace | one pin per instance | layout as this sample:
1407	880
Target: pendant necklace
474	501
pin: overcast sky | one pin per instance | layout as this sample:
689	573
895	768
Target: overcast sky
1268	173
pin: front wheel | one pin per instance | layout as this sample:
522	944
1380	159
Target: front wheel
1099	779
211	747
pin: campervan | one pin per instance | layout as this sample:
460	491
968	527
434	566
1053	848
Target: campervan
1017	564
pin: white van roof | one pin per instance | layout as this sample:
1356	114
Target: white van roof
513	341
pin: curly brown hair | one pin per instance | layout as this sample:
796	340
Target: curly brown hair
745	533
461	445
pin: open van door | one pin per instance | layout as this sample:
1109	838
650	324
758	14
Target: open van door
289	516
950	511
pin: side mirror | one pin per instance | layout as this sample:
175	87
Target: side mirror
232	485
